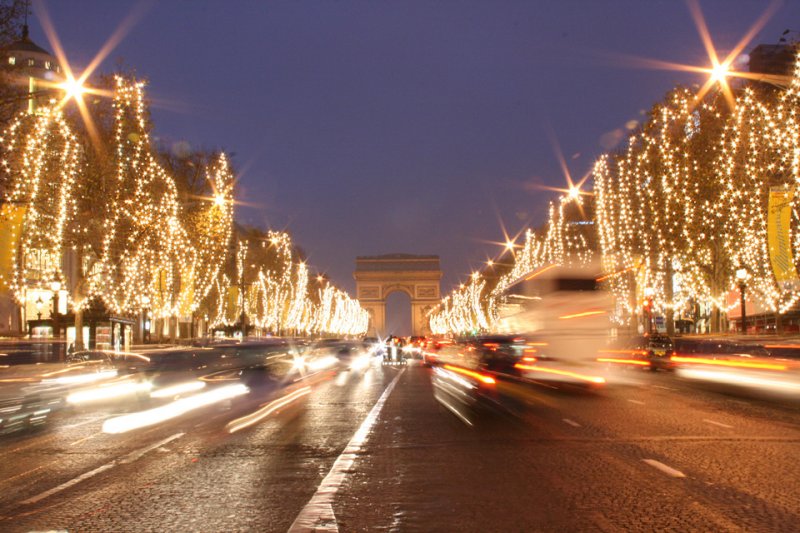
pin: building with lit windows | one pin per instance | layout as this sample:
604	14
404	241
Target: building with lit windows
32	69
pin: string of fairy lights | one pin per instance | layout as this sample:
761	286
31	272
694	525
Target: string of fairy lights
473	306
46	166
275	295
682	207
156	254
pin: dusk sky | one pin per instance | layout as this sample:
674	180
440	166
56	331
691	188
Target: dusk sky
367	128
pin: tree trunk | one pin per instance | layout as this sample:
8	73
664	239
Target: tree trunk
778	323
669	294
173	323
79	342
715	319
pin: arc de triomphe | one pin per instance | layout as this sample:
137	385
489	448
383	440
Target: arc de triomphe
379	276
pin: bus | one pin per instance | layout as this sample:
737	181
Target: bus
565	313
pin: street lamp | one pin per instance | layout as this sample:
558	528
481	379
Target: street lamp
39	305
145	319
741	277
55	286
648	295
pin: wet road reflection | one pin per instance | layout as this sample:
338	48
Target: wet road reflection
333	438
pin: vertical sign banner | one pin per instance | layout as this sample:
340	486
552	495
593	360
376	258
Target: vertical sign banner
779	217
11	217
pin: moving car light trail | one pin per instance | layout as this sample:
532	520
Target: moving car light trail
122	424
565	373
488	380
108	392
253	418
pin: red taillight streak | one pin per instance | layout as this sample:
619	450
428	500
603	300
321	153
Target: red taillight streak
725	362
475	375
591	379
626	352
582	315
545	269
623	361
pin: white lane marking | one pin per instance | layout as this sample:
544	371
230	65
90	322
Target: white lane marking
637	402
131	457
317	515
571	422
668	470
663	387
79	424
84	439
720	424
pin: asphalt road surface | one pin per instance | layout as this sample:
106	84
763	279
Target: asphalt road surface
374	451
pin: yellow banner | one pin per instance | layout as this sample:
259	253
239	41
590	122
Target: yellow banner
779	217
11	218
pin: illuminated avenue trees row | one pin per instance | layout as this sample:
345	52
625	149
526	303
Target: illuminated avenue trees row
678	210
144	238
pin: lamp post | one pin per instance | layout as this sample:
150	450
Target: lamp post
648	295
145	319
741	278
39	305
55	286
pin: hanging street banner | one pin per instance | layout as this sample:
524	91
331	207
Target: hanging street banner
779	217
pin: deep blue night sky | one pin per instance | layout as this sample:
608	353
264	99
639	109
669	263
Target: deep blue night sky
377	127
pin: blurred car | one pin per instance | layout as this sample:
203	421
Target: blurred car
658	350
414	346
373	345
430	353
500	353
198	361
30	393
650	351
493	353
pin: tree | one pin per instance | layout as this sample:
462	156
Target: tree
12	17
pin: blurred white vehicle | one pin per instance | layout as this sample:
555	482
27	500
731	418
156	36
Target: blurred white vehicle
566	313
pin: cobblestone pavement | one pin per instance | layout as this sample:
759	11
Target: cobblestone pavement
355	454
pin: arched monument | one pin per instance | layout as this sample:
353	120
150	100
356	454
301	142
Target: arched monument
379	276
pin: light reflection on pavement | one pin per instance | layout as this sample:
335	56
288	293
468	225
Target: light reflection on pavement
540	458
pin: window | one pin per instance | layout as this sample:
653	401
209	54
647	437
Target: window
47	65
12	60
58	68
31	62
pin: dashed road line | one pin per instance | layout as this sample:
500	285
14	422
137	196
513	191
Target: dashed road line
27	472
317	515
84	439
571	422
668	470
131	457
720	424
637	402
79	424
